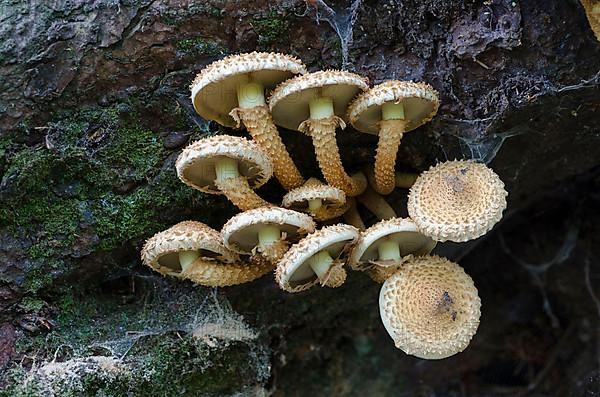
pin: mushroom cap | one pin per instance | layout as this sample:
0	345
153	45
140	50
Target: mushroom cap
196	163
214	90
293	270
313	189
592	11
457	201
161	251
401	230
289	102
430	307
240	233
212	274
420	102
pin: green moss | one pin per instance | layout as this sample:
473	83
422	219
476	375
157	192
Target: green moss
270	29
200	46
36	280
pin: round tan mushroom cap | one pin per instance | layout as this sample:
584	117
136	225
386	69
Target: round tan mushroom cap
430	307
420	103
289	102
294	274
196	163
333	204
213	274
161	251
592	11
214	90
457	201
240	233
402	231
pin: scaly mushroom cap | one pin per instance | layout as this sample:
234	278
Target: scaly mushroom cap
402	231
430	307
592	11
240	233
294	273
457	201
289	102
161	251
420	102
196	163
214	90
333	199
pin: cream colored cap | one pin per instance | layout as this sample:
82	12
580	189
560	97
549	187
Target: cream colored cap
294	273
333	199
161	251
289	102
402	231
240	233
457	201
214	274
196	163
214	90
420	103
430	307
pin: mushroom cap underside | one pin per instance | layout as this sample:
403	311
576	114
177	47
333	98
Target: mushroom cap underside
289	102
430	307
420	102
402	231
196	163
313	189
240	233
294	271
161	251
214	90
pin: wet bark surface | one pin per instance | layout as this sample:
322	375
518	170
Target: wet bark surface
95	108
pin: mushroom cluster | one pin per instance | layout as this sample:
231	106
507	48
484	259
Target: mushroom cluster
428	304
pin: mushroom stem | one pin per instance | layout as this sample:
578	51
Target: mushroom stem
390	135
321	127
226	168
320	264
251	94
186	258
314	205
268	234
405	179
376	204
239	192
388	251
260	126
352	217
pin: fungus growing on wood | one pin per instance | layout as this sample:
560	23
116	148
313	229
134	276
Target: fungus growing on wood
315	104
227	165
192	250
389	110
322	202
430	307
317	258
266	233
233	89
457	201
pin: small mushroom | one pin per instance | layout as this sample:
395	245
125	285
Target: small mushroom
315	104
457	201
227	165
387	242
430	307
233	89
192	250
592	11
265	232
322	202
389	110
316	259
